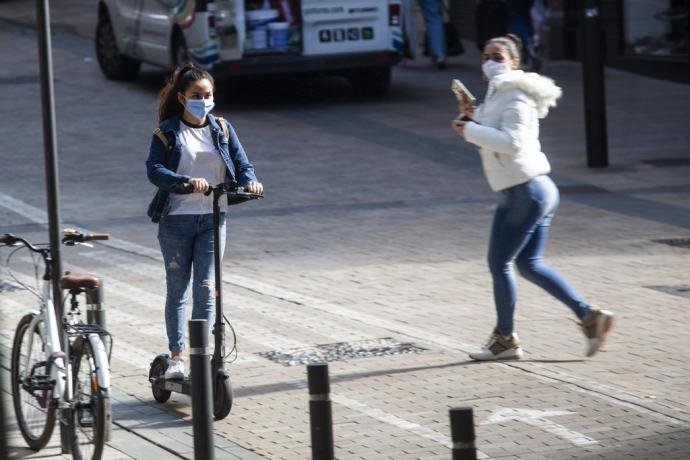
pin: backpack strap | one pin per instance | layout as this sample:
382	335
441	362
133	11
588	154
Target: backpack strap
224	124
159	134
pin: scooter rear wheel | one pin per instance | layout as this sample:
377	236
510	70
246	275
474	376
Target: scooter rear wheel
158	367
222	397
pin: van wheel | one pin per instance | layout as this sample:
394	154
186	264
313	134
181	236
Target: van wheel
180	52
114	65
371	81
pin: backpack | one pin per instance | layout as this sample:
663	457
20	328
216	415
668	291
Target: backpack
221	121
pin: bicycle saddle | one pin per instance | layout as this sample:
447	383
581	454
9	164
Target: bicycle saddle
72	280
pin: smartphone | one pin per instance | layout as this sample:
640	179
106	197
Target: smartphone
458	88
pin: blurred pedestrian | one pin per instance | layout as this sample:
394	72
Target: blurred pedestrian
539	14
432	10
196	151
491	20
505	127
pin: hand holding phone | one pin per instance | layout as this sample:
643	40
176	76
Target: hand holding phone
459	89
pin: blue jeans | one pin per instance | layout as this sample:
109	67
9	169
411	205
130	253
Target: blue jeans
187	245
436	37
518	235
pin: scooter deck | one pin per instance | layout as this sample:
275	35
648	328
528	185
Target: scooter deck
183	386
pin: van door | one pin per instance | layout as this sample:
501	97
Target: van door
124	21
155	27
350	26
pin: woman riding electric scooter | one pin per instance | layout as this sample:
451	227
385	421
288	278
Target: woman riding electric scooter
190	150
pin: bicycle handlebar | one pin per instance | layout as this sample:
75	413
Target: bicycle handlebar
70	238
73	236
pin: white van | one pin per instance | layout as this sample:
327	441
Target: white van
359	39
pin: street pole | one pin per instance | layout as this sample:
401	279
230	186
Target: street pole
52	183
202	401
320	412
462	433
593	84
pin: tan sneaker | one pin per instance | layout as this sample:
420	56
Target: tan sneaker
596	329
499	347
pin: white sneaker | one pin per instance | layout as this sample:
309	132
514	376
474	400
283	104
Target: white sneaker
596	329
175	368
499	347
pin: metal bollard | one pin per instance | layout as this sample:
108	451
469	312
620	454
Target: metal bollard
594	85
95	310
462	433
320	415
202	403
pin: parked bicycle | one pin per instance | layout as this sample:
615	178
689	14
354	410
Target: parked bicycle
46	380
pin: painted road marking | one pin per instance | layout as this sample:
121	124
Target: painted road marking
539	419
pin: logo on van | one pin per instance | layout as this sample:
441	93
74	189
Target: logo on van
350	34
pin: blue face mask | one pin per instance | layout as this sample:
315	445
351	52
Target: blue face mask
199	108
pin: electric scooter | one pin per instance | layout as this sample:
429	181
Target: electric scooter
222	388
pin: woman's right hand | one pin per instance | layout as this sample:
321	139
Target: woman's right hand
199	184
465	105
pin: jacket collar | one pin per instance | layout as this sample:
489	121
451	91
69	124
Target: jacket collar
541	89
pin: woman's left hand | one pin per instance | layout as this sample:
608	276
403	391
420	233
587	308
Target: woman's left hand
254	187
459	127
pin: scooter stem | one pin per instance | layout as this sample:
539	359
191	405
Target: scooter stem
218	326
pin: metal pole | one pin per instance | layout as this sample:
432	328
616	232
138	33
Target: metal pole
95	307
202	403
593	83
52	181
320	415
462	433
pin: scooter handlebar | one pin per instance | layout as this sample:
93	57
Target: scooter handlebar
233	190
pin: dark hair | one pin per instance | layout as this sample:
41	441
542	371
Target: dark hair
511	42
178	82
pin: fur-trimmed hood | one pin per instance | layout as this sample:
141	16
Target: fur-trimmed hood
541	89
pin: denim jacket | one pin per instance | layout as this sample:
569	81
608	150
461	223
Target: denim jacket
162	163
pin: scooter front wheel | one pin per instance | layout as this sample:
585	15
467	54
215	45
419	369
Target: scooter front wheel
158	367
222	396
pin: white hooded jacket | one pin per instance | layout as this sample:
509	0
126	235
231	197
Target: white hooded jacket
506	127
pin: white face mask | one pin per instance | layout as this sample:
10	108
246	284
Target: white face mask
492	68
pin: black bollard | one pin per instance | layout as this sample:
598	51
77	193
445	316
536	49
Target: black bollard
320	415
202	403
593	85
462	433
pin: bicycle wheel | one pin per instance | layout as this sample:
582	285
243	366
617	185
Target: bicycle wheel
32	391
91	416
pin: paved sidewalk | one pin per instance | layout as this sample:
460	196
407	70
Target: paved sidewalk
375	226
139	431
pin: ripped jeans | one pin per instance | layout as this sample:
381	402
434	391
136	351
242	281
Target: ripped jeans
187	245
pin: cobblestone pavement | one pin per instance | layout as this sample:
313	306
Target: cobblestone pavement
375	226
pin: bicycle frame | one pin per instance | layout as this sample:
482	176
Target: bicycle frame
46	324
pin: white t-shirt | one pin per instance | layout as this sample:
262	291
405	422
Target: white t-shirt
199	158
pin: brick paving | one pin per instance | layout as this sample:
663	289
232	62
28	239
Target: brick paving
375	225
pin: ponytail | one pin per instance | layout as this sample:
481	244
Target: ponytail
178	82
